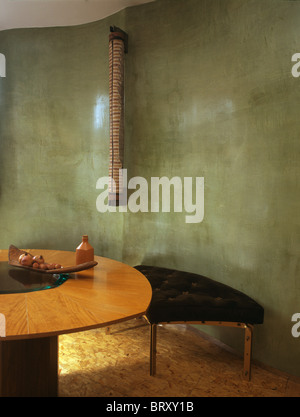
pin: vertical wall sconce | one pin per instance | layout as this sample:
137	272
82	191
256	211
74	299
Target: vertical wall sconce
118	44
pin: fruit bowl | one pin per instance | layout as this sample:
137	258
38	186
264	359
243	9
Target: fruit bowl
13	259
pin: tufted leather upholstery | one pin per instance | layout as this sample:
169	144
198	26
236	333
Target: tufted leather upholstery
184	296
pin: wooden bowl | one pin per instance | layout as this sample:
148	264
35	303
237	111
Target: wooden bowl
13	260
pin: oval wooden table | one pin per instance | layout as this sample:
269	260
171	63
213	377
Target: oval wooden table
109	293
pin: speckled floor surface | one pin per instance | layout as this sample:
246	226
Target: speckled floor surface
96	364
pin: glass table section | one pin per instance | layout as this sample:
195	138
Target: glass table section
17	280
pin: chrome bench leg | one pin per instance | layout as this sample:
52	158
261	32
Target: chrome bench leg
247	351
153	349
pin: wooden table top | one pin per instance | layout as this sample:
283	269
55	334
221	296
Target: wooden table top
109	293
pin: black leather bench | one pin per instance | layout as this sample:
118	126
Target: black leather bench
183	297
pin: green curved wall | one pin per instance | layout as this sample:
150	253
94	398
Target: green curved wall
209	93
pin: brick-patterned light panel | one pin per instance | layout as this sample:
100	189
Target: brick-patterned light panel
117	49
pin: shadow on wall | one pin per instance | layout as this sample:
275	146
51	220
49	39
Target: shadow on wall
157	260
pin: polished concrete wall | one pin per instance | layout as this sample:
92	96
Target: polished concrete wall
209	93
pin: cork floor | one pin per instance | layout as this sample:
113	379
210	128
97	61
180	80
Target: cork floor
96	364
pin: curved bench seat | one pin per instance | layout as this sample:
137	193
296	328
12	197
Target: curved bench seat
184	297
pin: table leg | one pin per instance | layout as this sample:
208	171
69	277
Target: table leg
29	367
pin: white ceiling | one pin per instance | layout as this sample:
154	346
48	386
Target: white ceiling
42	13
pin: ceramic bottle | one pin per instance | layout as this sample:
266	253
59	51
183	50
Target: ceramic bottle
84	252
